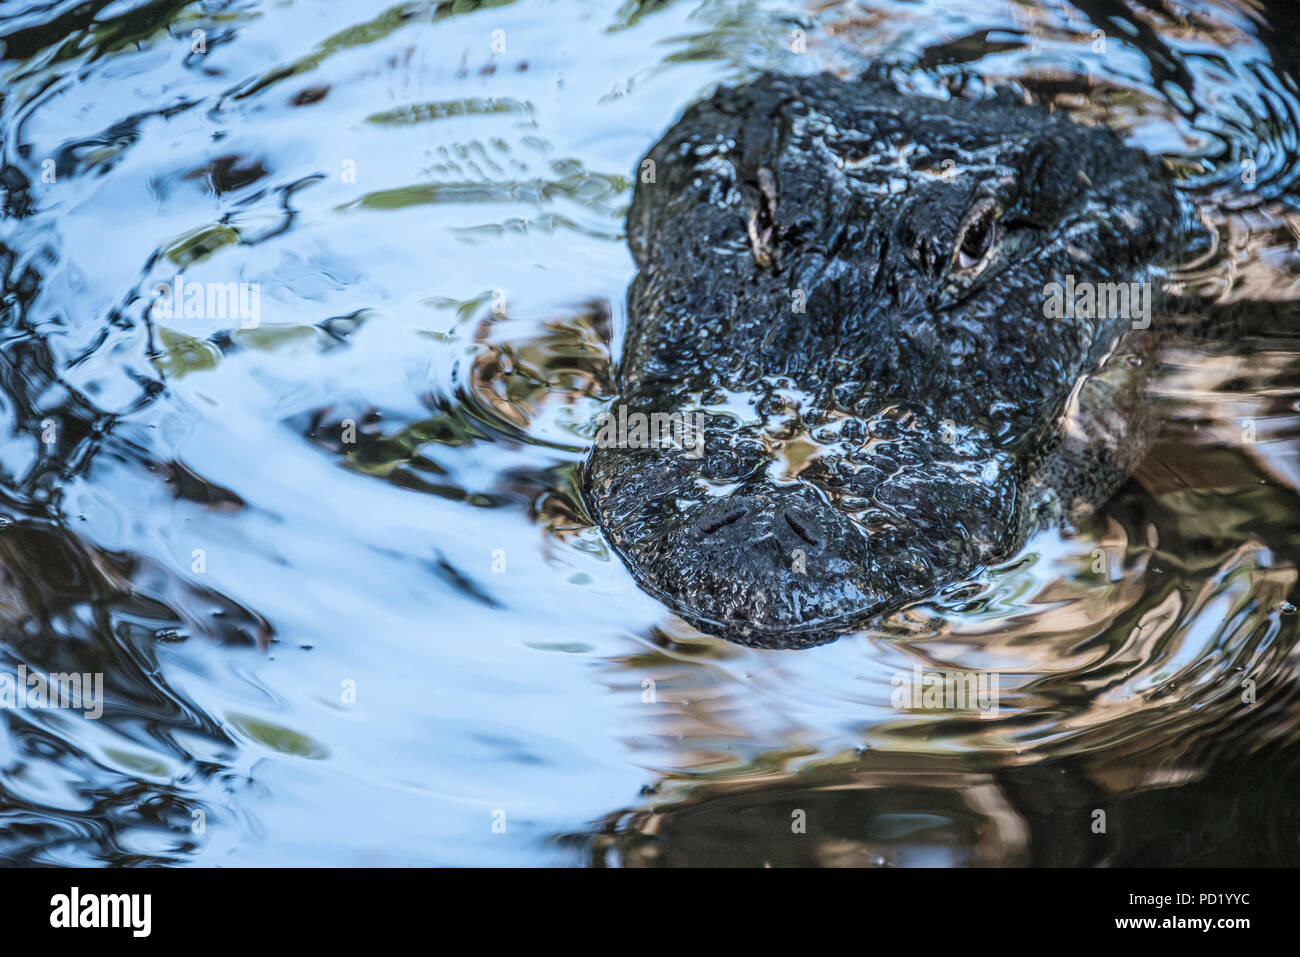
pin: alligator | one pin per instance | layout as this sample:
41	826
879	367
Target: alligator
868	300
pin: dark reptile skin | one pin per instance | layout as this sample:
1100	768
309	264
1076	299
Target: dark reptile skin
797	257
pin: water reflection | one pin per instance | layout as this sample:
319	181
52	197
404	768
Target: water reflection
333	566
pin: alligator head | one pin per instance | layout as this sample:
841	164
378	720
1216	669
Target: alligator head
842	343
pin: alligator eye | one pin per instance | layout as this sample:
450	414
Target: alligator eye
977	235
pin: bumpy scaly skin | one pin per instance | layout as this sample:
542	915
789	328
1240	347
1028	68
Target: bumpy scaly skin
849	282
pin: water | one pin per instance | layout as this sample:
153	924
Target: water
391	649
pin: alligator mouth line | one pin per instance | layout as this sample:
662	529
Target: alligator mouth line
743	631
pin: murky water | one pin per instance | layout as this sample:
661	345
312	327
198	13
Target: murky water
325	546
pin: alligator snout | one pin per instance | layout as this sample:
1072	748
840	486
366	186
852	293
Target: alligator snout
774	559
791	518
794	563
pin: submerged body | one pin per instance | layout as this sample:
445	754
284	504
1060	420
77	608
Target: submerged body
895	322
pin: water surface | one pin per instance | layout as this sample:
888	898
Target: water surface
334	569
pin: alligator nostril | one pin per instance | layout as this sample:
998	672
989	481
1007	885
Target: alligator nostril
727	518
802	527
